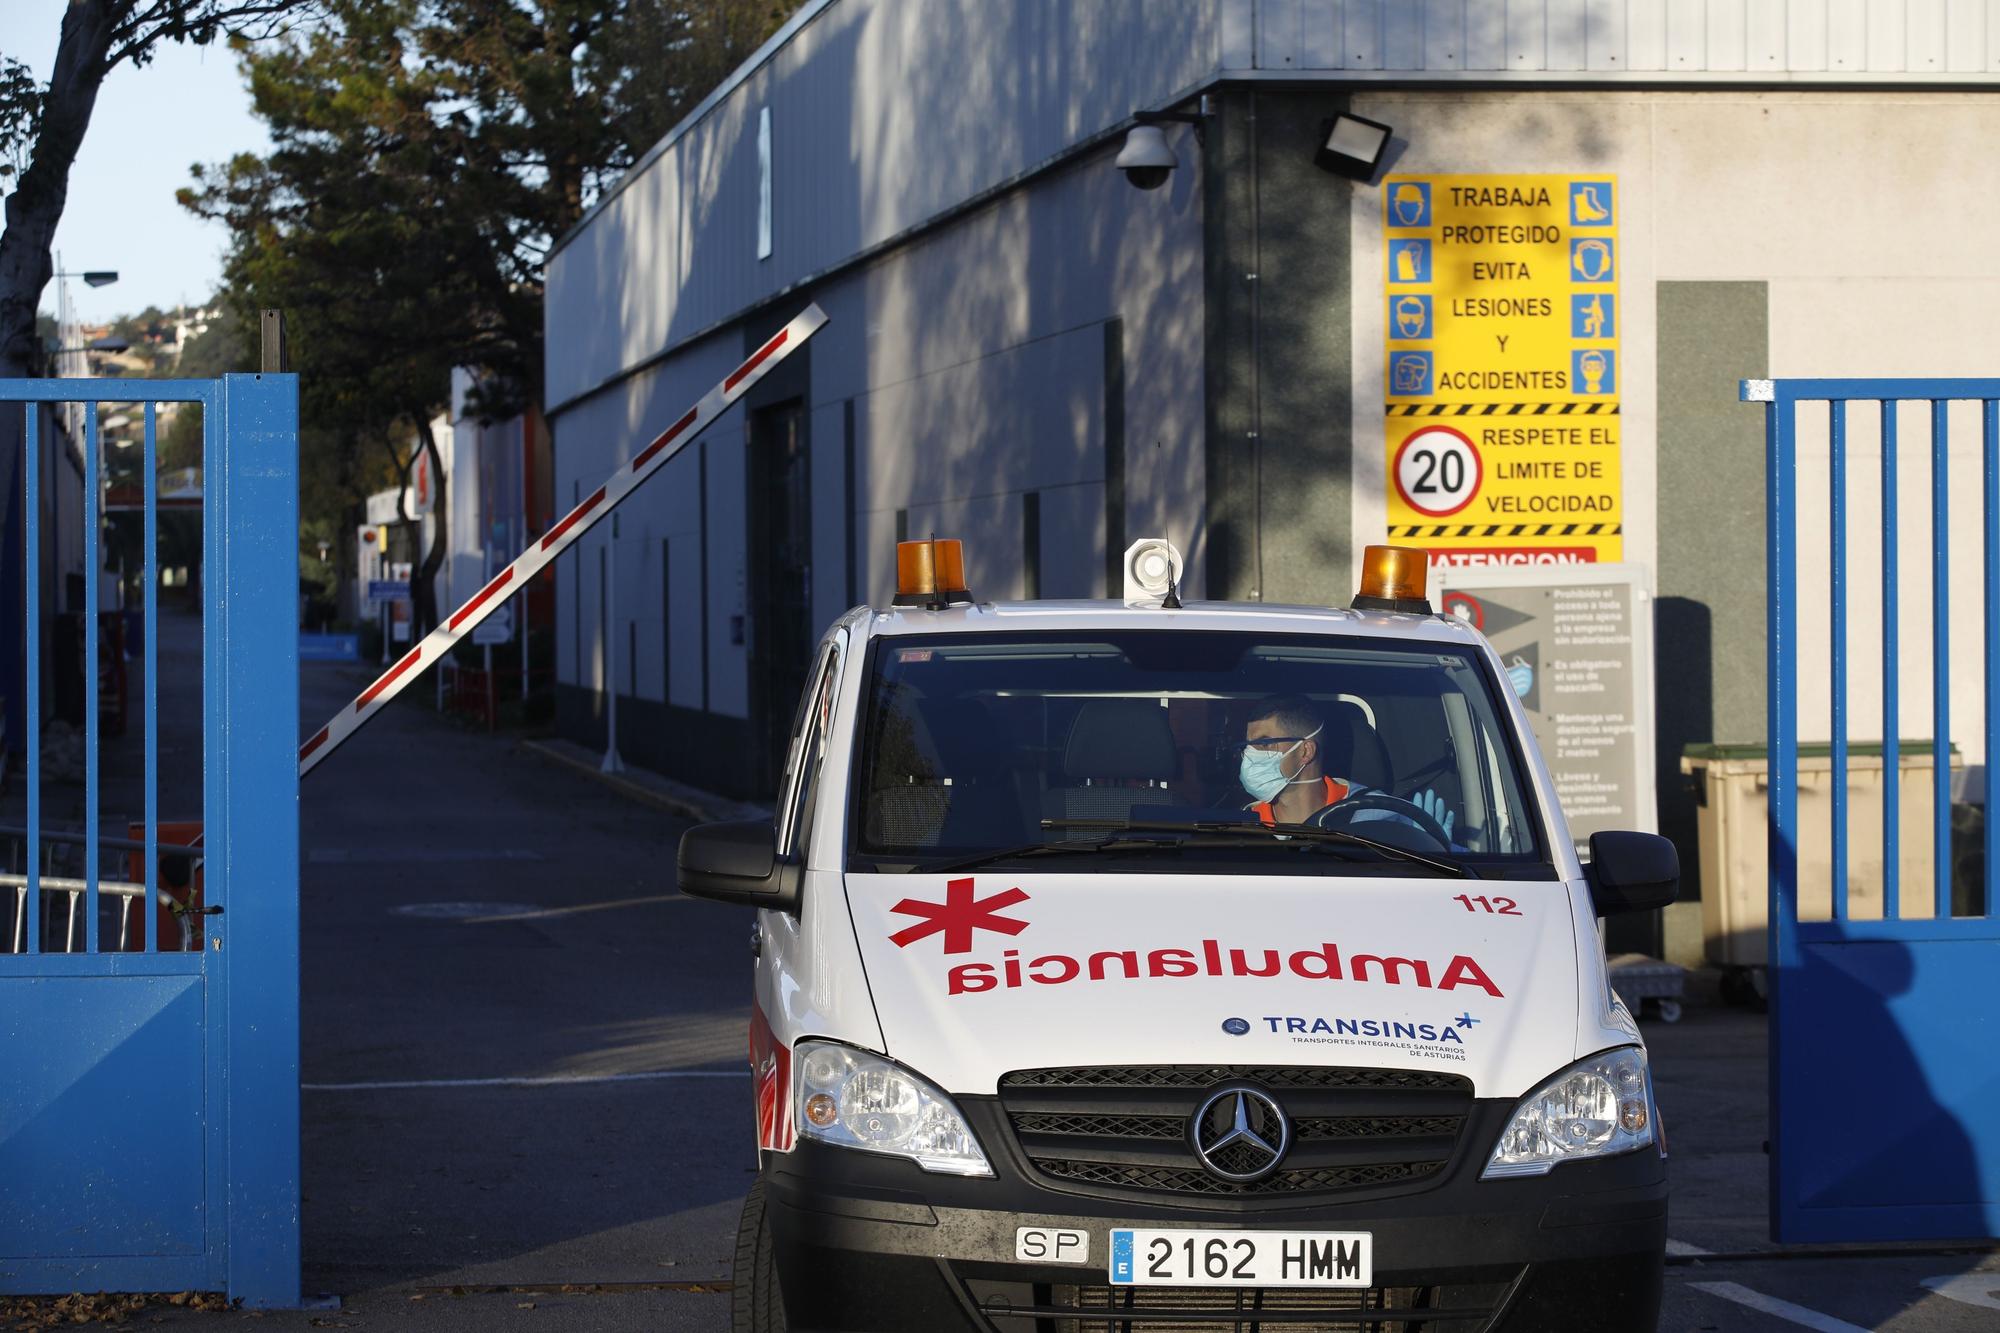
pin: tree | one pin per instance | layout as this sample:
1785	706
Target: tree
42	129
426	155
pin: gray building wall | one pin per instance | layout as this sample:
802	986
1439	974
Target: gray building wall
1023	348
1708	630
972	364
1279	373
884	114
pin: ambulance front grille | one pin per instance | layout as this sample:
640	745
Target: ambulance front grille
1462	1308
1126	1128
1194	1180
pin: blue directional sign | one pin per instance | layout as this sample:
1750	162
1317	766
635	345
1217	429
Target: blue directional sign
1595	371
1590	204
1409	261
1409	317
1410	204
1593	315
1410	374
388	590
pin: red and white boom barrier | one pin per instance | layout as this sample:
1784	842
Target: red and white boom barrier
558	539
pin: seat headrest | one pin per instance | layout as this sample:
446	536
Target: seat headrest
1121	739
967	741
1352	751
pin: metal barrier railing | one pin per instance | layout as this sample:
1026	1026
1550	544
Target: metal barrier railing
75	891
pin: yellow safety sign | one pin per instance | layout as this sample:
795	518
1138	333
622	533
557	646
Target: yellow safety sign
1501	364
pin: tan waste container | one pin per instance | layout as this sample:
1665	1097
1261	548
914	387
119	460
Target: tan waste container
1733	796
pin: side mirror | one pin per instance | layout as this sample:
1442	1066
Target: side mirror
1632	872
738	863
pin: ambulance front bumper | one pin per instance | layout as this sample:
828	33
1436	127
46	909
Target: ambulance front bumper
873	1244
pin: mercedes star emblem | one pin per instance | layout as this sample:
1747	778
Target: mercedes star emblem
1240	1134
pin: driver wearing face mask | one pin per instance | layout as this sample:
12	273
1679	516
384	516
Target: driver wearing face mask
1281	769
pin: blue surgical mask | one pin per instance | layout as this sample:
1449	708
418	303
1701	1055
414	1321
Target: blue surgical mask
1262	773
1521	676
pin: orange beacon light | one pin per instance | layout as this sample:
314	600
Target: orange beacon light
1394	578
930	574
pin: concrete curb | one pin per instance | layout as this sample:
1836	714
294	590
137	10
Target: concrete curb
646	786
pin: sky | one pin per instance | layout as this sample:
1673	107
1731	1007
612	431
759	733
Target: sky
151	125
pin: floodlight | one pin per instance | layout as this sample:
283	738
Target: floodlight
1352	146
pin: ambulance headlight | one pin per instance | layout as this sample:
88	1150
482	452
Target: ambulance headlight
1596	1108
858	1100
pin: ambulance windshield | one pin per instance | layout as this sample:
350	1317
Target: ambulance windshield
975	744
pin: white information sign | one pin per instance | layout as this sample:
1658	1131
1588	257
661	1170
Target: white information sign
1577	645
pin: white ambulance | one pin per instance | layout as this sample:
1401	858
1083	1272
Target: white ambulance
1163	966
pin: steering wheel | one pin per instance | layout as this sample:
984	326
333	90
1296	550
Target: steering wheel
1341	815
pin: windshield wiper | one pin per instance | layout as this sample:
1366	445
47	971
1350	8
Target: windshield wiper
1303	833
1105	844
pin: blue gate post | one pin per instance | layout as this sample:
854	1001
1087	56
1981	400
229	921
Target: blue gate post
1781	647
250	595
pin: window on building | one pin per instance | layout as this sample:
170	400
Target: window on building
764	183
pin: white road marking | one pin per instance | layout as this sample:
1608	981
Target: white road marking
1980	1289
542	1081
543	913
1771	1305
1681	1249
362	856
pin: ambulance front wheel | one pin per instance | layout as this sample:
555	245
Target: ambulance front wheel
755	1303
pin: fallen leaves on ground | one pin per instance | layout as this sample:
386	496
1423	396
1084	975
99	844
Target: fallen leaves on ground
38	1314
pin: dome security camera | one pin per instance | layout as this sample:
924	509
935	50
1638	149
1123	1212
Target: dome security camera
1147	159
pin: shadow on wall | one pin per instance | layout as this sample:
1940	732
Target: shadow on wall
984	370
1684	714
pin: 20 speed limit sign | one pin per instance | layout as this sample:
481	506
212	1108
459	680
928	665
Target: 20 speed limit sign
1437	471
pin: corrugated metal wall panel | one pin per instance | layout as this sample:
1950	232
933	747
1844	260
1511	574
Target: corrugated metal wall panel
1567	34
1645	37
884	113
1965	36
1322	44
1486	34
1805	35
1527	34
1604	35
1237	35
1403	37
1887	24
1922	38
1280	37
1764	35
1363	24
1847	34
1687	34
1728	36
1927	37
1444	34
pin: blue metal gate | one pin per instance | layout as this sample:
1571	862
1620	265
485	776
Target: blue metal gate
149	1100
1885	1088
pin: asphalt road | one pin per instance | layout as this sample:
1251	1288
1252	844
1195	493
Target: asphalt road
473	913
526	1105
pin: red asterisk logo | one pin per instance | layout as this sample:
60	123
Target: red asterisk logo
958	916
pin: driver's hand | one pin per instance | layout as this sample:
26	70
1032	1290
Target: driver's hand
1433	805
